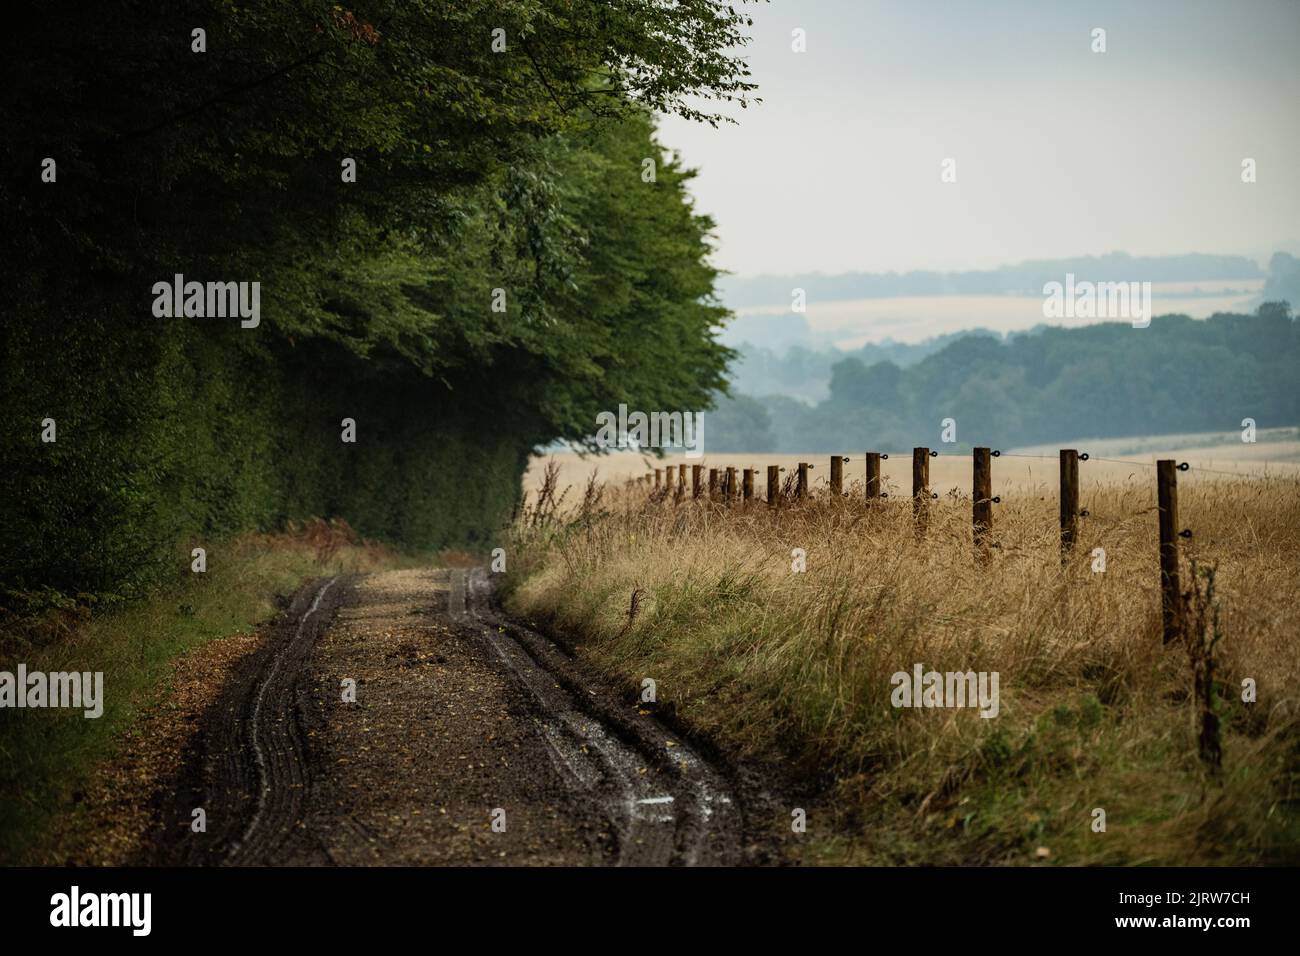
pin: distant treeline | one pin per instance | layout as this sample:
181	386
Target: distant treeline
1023	278
1101	381
805	373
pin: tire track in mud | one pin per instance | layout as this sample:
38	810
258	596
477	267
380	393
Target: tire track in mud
277	747
461	709
665	803
249	770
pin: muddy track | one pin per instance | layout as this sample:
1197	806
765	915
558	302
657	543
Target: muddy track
248	768
276	744
460	710
665	804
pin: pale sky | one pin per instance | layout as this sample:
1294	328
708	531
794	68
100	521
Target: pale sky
1059	151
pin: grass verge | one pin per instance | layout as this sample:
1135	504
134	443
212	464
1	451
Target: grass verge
1098	720
46	756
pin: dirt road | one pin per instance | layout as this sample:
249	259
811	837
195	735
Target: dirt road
471	740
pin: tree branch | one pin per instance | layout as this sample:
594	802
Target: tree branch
223	95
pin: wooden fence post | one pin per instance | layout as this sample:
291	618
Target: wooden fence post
837	475
921	487
697	480
801	488
1167	499
982	501
668	480
659	478
681	482
773	484
713	484
747	484
731	488
1069	500
873	475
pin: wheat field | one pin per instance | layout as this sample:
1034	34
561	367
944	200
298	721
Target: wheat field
1112	461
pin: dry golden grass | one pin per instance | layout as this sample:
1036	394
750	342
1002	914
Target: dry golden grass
794	668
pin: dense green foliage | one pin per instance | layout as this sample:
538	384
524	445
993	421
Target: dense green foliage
1099	381
479	167
178	439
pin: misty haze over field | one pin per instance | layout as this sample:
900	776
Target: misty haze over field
1060	152
928	169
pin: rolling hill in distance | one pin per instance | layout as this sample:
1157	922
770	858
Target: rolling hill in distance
879	357
850	310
